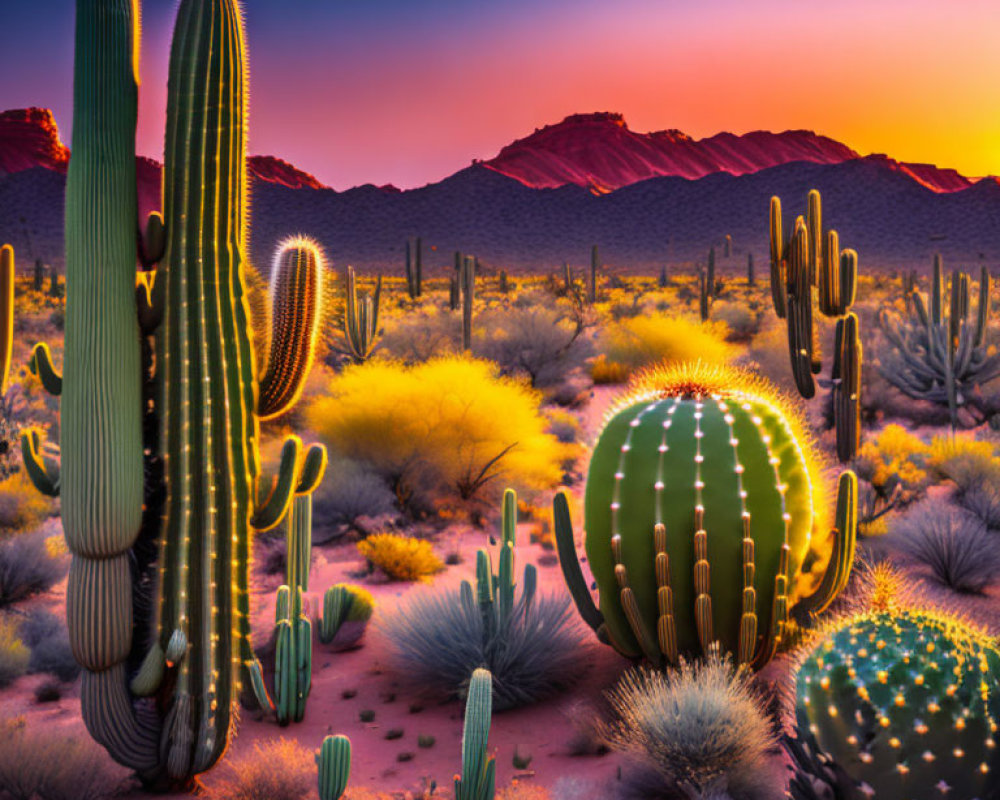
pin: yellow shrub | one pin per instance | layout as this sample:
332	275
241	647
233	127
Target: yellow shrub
604	371
14	655
448	426
643	340
894	455
400	557
967	462
22	506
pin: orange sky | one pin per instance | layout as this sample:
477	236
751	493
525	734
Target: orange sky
408	91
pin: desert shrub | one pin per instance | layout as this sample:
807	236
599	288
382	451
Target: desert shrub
646	340
46	635
563	425
891	468
984	503
439	640
22	506
277	769
421	335
39	764
968	463
693	732
604	372
953	544
740	320
541	344
27	566
14	655
350	490
444	431
768	354
401	558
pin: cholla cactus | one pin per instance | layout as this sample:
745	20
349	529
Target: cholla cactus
939	353
704	518
905	701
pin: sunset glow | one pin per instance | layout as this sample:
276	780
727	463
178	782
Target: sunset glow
407	93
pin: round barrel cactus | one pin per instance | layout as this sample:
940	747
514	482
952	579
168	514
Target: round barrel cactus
705	520
906	702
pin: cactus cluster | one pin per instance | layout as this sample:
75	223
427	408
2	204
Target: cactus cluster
702	519
159	473
809	269
906	703
361	318
415	268
940	353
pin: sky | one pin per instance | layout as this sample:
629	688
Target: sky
409	91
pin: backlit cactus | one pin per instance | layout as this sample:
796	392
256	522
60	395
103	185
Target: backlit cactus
334	763
704	519
808	269
361	318
478	778
906	702
6	314
939	353
296	296
159	476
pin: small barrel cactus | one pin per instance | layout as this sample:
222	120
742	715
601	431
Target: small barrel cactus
334	763
705	524
906	703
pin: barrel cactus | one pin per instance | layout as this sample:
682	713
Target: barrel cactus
705	520
906	702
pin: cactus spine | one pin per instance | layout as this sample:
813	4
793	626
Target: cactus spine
700	518
415	268
478	778
810	263
198	419
6	314
361	319
334	765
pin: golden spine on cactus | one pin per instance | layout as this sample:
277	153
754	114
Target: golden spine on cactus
296	295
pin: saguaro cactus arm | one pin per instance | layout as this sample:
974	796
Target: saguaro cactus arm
272	508
570	564
44	473
40	365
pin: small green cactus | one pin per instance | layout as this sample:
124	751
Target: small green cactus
361	319
478	778
468	284
906	703
334	763
415	268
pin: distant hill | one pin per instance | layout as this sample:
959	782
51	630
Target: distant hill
894	214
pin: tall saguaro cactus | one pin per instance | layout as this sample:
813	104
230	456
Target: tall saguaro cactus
6	314
161	399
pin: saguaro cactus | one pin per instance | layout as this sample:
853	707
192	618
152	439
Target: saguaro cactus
704	529
415	268
595	265
468	281
199	426
478	778
809	267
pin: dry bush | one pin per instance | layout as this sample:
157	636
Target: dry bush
421	335
968	463
605	372
22	506
741	321
439	432
278	769
644	340
47	637
39	764
14	654
400	557
696	729
28	565
350	490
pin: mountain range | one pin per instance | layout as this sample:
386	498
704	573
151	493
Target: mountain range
645	198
